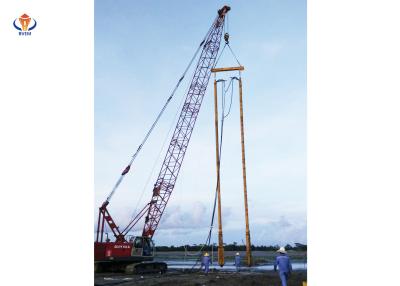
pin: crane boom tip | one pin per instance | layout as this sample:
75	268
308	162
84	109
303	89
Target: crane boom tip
223	10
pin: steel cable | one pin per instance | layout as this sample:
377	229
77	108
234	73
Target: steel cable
157	118
223	116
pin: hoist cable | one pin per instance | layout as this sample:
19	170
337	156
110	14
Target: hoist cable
163	145
227	23
126	170
159	156
223	48
230	104
223	116
229	46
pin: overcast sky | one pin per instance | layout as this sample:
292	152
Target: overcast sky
141	50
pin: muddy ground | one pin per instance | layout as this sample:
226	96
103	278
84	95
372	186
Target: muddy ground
267	278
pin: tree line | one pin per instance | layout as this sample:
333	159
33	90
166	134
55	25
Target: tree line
232	247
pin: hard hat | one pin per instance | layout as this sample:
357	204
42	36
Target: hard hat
237	253
281	250
206	254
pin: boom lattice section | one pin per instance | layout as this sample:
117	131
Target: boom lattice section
177	148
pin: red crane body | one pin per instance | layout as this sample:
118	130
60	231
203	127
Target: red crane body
141	248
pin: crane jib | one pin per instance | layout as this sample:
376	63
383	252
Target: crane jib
172	163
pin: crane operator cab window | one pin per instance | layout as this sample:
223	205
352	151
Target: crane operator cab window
148	246
142	246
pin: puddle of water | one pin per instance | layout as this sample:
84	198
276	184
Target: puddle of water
179	264
117	278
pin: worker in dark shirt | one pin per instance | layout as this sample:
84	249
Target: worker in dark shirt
282	261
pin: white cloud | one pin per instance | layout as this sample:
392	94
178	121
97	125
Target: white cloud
281	231
191	216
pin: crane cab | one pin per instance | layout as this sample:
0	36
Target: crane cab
142	246
134	249
133	255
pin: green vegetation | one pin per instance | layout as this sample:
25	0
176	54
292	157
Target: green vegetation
261	254
231	247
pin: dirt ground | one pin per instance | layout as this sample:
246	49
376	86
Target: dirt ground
266	278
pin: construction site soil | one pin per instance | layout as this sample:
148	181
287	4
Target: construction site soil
181	278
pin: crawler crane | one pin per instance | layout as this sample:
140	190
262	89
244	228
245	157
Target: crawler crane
135	254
